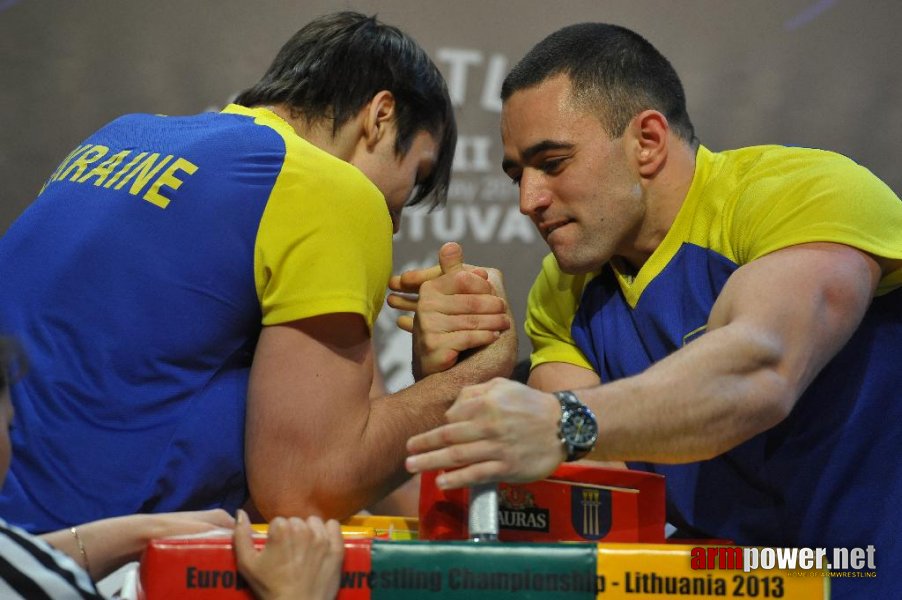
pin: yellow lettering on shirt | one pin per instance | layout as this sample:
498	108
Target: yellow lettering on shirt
143	172
55	175
124	170
147	172
169	179
81	163
103	170
67	160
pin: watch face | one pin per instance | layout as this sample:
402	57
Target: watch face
579	427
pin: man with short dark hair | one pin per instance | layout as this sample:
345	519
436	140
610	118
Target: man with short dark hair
178	273
742	309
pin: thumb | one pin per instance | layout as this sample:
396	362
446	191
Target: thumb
242	540
451	258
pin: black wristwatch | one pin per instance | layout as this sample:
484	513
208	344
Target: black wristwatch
578	427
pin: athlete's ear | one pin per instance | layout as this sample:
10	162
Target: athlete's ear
648	137
379	114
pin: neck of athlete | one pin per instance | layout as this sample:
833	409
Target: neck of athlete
341	143
665	191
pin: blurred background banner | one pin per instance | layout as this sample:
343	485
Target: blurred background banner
816	73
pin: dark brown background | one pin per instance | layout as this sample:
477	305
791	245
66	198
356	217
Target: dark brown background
821	73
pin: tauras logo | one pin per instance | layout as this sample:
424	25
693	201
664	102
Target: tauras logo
530	519
517	510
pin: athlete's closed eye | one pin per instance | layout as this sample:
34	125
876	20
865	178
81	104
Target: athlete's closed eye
552	166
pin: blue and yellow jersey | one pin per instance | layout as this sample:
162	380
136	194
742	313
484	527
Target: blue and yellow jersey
138	282
805	482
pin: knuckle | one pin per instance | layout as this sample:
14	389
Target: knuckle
490	471
457	455
478	402
429	341
426	303
473	283
425	323
491	430
446	435
486	337
462	277
427	287
472	304
505	463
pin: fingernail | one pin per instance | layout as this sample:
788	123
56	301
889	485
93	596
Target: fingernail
410	464
240	516
441	482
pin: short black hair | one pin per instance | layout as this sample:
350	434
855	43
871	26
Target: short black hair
612	69
336	63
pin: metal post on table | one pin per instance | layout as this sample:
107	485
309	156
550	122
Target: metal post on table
483	517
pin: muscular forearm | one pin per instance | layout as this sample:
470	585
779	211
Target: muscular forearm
740	378
745	374
719	391
362	460
376	465
690	406
402	501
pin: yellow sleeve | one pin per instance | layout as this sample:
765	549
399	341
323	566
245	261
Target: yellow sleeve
324	241
550	308
818	196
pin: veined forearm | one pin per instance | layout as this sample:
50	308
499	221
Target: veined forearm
697	403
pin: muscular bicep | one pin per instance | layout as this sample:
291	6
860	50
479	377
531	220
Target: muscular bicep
309	389
797	307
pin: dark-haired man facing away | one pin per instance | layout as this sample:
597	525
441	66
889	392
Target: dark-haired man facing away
177	274
742	309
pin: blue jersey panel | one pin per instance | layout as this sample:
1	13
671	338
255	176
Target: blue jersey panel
130	281
810	481
621	341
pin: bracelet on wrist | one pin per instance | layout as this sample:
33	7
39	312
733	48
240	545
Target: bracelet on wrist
81	549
